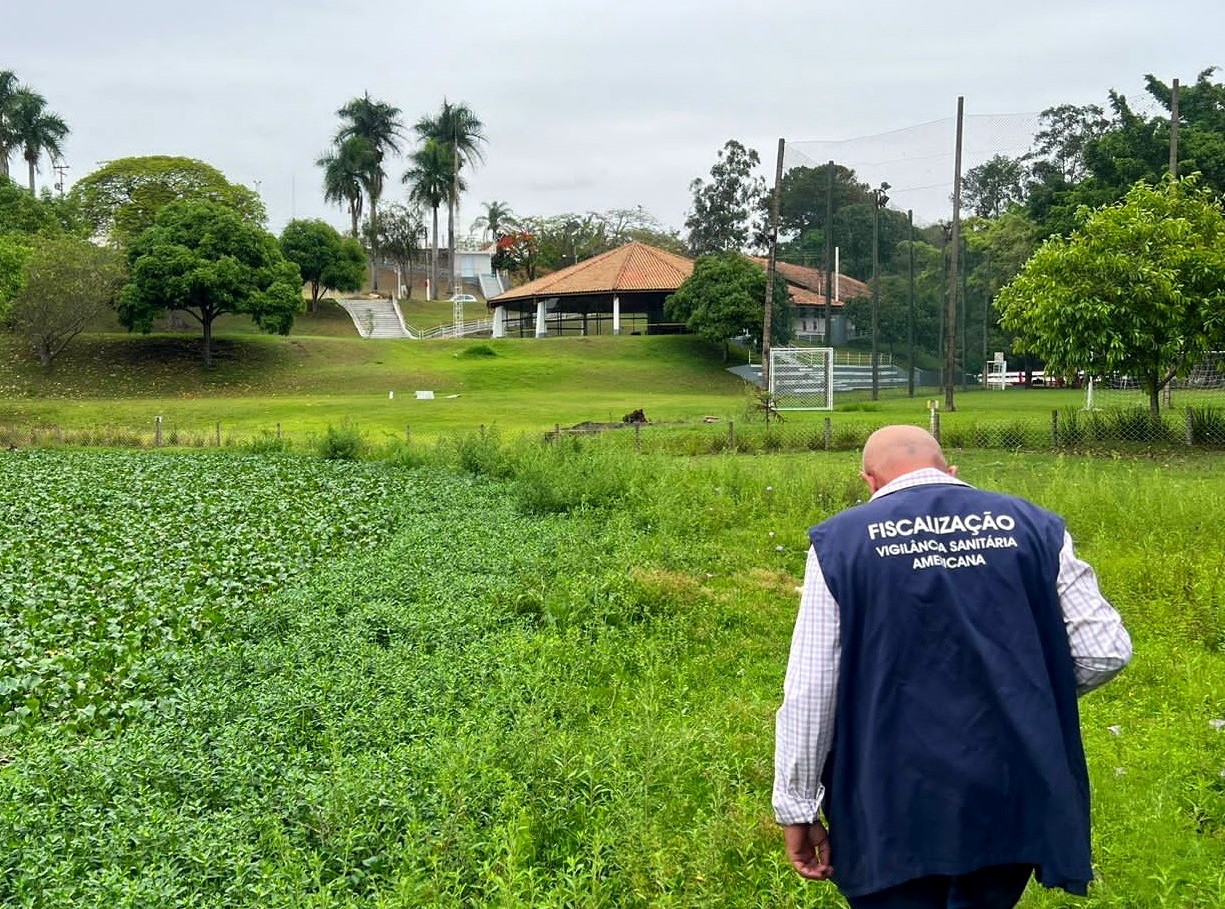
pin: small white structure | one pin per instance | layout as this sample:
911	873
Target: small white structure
997	372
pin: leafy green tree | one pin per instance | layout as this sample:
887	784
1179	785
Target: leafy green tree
724	298
204	259
68	283
14	253
1138	288
994	186
1082	158
122	199
802	208
344	173
432	181
461	133
497	220
401	230
1066	133
379	124
35	130
722	218
22	213
324	258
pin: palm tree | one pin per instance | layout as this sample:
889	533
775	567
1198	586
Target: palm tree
498	218
459	130
432	181
35	130
379	124
10	88
344	170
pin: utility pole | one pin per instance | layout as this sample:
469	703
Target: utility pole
60	169
829	245
950	338
910	310
878	201
1174	129
769	305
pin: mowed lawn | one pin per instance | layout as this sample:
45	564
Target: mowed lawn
324	375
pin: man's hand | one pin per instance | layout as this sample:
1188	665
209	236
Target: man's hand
808	850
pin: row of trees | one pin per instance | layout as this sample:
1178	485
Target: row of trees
355	168
27	127
148	236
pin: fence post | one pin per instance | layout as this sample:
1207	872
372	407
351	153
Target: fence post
218	435
936	424
637	436
278	431
408	433
1188	425
556	432
829	433
731	435
482	430
157	432
1055	427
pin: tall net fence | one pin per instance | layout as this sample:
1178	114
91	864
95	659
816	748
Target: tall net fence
882	205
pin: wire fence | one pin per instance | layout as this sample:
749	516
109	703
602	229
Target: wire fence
1018	420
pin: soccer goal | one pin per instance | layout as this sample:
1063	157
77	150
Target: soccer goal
802	378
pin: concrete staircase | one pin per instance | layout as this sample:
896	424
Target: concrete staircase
377	318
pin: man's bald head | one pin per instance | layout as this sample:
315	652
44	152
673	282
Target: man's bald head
896	450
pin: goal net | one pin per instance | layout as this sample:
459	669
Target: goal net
1203	386
802	378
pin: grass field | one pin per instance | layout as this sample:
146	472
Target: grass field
112	387
487	674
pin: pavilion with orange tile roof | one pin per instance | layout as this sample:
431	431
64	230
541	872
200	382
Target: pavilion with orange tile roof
634	278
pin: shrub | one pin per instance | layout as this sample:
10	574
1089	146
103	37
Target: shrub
265	443
1207	425
345	443
477	351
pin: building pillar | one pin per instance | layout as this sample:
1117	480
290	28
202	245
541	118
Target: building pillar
499	321
616	315
542	330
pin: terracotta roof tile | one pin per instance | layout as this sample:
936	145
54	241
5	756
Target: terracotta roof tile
813	279
632	267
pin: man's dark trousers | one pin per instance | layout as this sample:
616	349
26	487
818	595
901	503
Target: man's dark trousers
996	887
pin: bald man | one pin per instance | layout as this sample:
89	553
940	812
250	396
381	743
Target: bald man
930	704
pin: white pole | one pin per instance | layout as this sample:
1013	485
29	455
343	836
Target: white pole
837	274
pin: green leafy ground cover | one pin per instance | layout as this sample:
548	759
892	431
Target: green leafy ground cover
550	683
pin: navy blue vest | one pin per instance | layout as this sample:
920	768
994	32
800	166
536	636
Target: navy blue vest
957	736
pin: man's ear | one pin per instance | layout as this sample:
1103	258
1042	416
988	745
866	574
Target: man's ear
952	470
870	480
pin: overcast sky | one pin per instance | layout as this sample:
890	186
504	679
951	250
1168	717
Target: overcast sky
586	106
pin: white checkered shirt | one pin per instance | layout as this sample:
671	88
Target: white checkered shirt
804	724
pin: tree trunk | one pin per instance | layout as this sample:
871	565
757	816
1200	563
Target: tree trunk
451	244
1154	403
44	354
434	260
31	162
206	319
5	151
353	218
315	295
374	242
